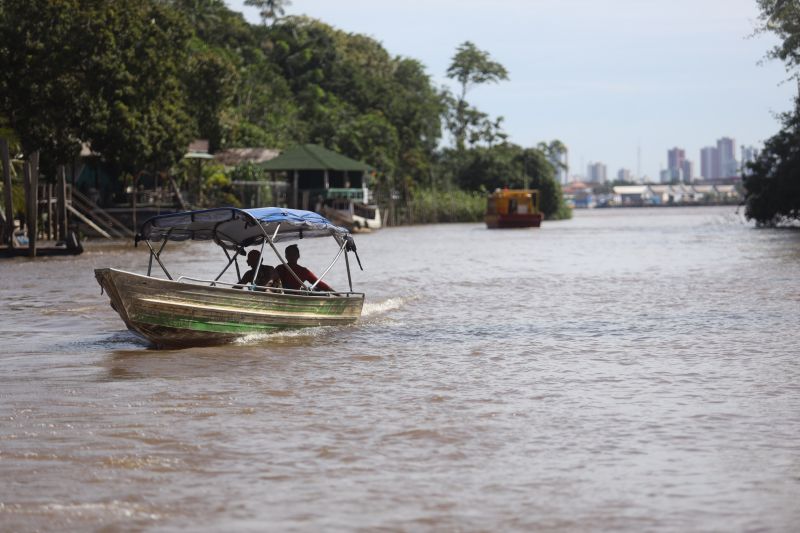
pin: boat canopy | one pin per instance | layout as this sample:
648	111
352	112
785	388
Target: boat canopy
236	228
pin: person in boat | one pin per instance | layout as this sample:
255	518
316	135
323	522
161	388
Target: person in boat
282	274
264	272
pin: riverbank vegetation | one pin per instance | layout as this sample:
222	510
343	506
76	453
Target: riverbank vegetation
138	81
772	188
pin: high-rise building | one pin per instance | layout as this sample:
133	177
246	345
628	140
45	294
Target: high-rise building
596	172
677	166
687	169
726	151
675	158
624	174
709	163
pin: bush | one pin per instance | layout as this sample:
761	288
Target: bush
428	206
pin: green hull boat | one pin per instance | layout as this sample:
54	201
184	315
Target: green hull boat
189	312
184	313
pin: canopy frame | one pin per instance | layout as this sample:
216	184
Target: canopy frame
318	226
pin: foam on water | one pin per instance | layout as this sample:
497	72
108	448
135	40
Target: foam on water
94	511
390	304
286	334
371	310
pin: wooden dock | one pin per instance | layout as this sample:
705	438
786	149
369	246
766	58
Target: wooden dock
48	224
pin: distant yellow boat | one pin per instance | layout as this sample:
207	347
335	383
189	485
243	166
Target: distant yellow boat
513	208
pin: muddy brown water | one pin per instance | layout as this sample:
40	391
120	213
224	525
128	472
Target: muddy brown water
627	370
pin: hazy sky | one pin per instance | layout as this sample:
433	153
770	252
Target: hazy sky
604	77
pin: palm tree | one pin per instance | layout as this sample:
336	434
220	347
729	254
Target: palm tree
269	9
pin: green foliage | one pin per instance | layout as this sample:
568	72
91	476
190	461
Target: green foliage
428	206
137	80
772	190
17	197
471	66
217	188
507	165
782	17
269	9
103	72
248	172
210	81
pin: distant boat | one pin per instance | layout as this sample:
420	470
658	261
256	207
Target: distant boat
513	208
189	311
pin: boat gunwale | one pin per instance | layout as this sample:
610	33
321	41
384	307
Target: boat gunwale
245	289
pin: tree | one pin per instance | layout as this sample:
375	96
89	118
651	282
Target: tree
782	17
210	81
269	9
556	152
508	165
470	66
106	73
772	188
203	16
353	96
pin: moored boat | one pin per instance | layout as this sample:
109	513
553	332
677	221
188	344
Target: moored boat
513	208
355	216
187	311
349	208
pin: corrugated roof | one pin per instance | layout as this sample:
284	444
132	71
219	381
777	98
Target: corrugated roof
313	157
234	156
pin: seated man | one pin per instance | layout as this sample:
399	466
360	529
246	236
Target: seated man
282	273
264	273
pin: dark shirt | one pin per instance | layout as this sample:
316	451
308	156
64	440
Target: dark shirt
264	274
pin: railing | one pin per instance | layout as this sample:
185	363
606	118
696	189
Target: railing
263	288
96	217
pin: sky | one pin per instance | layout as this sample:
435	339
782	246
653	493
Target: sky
618	81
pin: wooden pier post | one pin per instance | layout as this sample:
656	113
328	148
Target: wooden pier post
48	194
32	201
8	235
61	205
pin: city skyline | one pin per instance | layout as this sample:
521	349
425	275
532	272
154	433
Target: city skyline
719	161
618	82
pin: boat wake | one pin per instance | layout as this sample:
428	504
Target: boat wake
372	309
288	335
369	314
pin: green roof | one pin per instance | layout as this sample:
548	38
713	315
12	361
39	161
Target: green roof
313	157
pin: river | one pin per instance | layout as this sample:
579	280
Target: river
626	370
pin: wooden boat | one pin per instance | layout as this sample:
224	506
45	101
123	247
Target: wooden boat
189	311
355	216
513	208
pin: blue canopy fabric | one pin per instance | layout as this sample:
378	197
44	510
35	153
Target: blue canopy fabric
235	228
